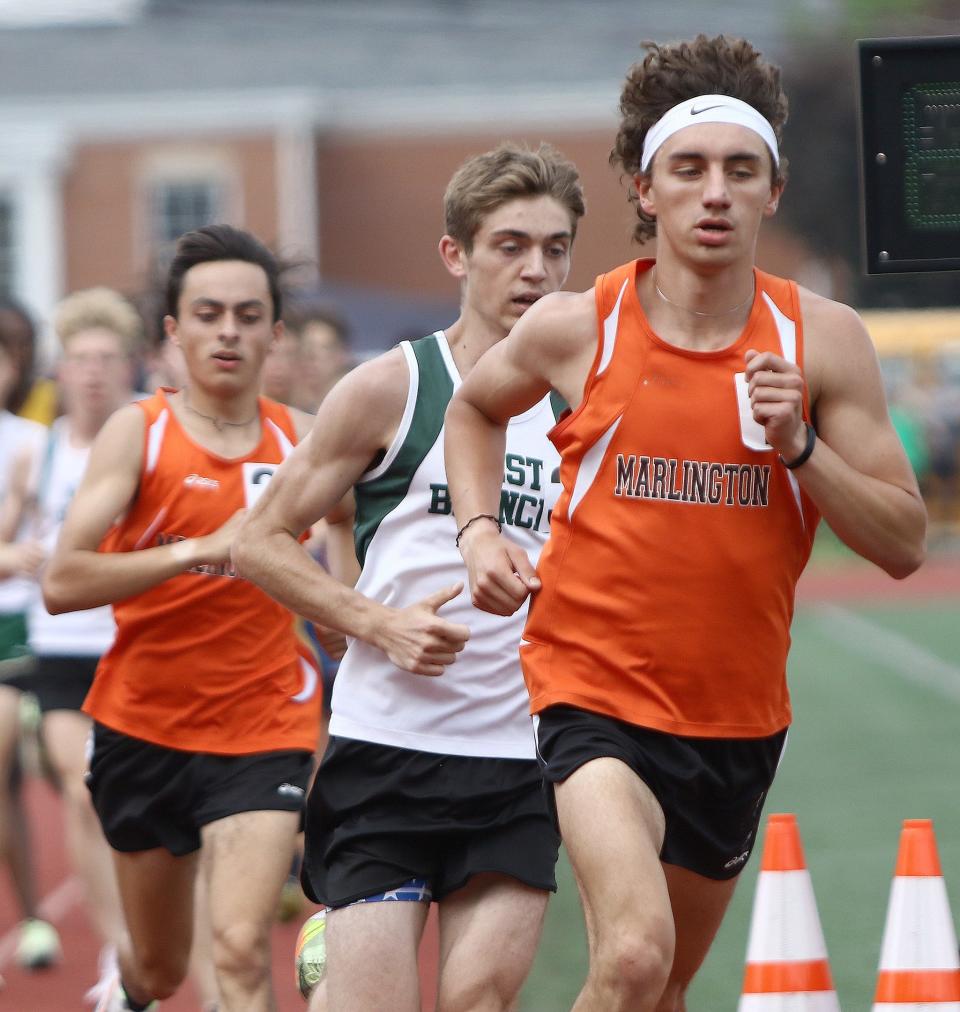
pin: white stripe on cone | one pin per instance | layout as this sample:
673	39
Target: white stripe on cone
918	938
785	924
919	933
806	1001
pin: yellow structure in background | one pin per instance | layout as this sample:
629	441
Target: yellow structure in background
897	332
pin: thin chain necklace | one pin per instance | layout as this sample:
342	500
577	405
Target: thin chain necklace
696	312
218	423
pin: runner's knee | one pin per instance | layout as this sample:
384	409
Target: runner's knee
161	973
634	959
242	951
494	992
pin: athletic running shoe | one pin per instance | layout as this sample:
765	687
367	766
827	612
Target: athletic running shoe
39	945
113	999
311	952
107	969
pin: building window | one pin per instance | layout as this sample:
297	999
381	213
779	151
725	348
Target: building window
182	205
7	246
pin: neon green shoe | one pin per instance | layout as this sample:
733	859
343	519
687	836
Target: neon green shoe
311	950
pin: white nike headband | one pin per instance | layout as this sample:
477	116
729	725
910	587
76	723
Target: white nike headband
707	109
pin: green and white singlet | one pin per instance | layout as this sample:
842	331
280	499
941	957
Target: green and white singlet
16	435
405	533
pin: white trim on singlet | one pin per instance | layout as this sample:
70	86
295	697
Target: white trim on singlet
447	355
787	330
286	447
590	467
155	440
610	325
404	427
309	688
151	529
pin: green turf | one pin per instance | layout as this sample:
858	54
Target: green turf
867	750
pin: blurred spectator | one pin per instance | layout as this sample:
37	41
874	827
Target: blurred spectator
324	353
163	366
281	370
100	334
30	397
20	441
925	409
943	438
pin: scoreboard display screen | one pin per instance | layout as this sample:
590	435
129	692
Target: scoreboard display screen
910	153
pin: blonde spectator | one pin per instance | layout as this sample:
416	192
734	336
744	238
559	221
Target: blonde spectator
100	333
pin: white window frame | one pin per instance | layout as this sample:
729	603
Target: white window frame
169	165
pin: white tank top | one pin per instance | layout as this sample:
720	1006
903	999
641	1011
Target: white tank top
78	633
17	434
405	533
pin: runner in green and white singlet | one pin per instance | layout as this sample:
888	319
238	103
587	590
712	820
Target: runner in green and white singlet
429	787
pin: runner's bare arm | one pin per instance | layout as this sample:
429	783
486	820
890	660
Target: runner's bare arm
550	347
355	422
341	562
26	555
21	558
80	576
341	546
858	475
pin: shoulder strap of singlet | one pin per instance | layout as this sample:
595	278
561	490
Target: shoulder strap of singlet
610	288
46	466
783	302
280	415
387	486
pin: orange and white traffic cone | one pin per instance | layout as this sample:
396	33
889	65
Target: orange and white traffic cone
787	966
919	966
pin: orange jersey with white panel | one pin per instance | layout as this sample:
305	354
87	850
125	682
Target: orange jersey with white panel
679	536
205	661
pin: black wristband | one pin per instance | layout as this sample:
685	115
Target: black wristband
479	516
805	453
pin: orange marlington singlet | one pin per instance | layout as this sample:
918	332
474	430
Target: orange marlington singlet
678	538
205	661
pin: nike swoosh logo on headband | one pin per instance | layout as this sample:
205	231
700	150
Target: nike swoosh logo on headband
694	111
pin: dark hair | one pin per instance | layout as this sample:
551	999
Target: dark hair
485	182
670	74
21	347
301	314
220	242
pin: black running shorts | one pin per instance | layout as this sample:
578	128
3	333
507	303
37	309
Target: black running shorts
149	796
379	816
711	790
58	682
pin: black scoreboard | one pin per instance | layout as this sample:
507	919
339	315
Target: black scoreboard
910	153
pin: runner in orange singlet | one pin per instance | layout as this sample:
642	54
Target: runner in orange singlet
717	412
205	713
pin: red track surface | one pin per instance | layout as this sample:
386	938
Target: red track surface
61	988
855	580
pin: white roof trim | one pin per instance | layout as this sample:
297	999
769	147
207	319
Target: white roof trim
429	110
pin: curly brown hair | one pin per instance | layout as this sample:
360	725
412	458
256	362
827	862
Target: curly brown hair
670	74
